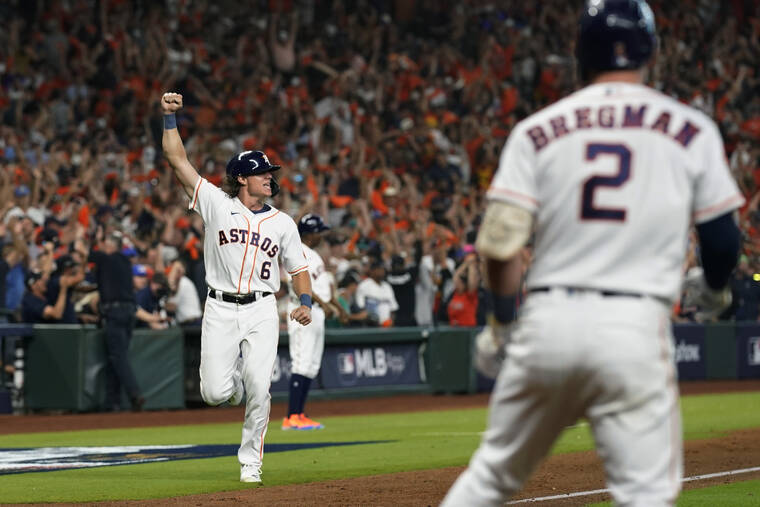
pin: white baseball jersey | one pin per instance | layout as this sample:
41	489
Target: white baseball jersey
377	298
242	246
306	343
607	155
320	277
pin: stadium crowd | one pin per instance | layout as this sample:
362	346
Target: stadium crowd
387	116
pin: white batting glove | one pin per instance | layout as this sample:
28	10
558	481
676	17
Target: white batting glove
490	348
710	303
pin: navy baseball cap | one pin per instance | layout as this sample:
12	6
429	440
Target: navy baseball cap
311	223
248	163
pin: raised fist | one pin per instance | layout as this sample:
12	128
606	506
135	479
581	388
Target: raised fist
171	102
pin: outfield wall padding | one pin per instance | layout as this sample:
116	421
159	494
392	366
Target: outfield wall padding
65	368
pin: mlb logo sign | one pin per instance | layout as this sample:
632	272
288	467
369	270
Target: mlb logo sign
753	356
346	364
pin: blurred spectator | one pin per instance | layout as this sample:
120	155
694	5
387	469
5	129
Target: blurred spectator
113	273
347	298
183	301
36	308
403	279
434	283
151	302
376	296
69	273
463	305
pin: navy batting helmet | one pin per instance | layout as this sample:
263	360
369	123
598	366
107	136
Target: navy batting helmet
614	35
311	223
249	163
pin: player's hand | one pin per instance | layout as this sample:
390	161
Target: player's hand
710	303
171	102
302	315
490	348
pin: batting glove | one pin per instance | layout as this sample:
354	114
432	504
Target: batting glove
710	303
490	348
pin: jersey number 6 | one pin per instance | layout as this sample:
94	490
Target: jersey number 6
265	273
623	154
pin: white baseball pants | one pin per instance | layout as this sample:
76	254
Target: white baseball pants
306	344
610	359
228	329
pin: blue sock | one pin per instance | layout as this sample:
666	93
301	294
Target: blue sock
304	392
294	400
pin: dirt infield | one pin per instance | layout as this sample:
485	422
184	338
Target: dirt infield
558	475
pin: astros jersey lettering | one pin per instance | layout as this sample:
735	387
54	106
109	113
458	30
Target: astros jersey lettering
612	154
241	246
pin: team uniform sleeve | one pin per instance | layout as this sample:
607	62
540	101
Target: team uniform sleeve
715	190
207	199
515	178
293	257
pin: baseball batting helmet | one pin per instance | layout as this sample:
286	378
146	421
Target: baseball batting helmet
614	35
311	223
249	163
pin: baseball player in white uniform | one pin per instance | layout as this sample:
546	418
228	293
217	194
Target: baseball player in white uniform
609	180
244	237
306	343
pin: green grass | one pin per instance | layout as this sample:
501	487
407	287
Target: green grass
736	494
421	440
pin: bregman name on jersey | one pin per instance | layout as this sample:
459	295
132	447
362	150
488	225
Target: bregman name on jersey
610	117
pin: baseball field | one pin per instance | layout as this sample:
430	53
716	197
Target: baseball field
403	450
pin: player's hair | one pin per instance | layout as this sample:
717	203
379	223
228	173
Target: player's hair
231	186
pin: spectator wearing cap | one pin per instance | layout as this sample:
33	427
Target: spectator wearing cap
35	306
376	296
66	269
151	302
140	276
113	275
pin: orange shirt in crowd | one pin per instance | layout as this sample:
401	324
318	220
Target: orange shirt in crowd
463	308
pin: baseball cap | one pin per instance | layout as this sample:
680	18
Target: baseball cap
21	191
139	270
32	277
311	223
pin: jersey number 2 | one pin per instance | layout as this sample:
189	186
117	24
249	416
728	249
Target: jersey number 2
623	154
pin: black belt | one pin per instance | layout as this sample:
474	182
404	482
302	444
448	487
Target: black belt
241	299
581	290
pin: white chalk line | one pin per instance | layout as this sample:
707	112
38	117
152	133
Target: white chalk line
598	491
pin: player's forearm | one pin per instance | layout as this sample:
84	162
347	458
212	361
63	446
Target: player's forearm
504	277
302	284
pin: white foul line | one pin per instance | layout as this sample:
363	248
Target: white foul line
598	491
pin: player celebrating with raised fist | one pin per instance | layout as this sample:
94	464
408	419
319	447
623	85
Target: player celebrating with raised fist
609	180
243	238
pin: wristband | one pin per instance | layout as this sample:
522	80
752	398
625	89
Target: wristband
503	308
305	300
170	121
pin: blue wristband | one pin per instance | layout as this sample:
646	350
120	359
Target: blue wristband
170	121
305	300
